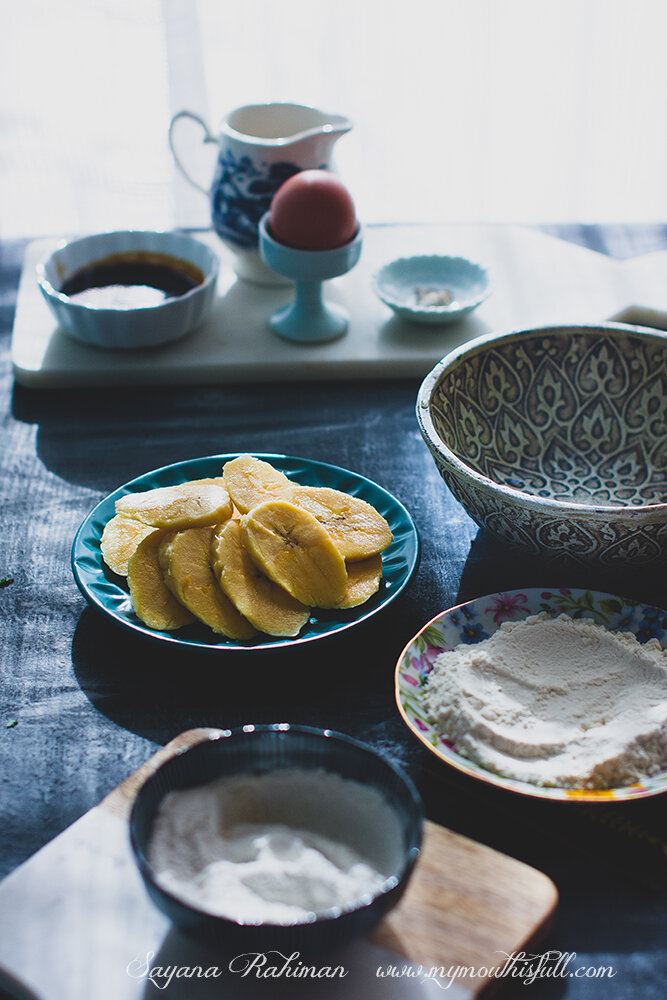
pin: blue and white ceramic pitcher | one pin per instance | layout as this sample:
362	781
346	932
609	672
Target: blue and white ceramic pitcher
260	146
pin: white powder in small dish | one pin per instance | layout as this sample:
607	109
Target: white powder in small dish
556	702
270	848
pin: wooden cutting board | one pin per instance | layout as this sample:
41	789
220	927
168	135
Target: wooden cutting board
76	922
537	280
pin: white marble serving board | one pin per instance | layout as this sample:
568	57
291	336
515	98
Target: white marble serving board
537	279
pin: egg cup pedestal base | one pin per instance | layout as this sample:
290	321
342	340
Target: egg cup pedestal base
309	319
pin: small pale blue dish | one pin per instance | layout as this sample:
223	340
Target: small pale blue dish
432	289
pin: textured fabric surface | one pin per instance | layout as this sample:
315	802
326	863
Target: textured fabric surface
83	703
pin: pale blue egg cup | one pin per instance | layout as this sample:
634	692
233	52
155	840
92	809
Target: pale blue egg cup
308	319
397	284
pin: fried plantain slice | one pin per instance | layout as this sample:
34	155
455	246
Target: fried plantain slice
356	527
251	481
119	539
152	600
363	580
268	606
292	548
185	561
186	505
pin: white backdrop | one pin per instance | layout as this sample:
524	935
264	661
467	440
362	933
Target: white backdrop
481	110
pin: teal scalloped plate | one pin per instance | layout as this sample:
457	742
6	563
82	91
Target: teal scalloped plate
477	620
109	594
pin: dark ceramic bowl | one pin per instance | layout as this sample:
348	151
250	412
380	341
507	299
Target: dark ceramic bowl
555	439
262	749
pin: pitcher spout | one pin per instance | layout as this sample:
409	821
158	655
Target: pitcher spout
337	125
326	131
315	144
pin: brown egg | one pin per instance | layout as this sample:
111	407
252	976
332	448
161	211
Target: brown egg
313	210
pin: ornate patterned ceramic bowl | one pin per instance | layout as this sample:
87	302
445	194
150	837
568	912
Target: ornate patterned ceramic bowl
555	439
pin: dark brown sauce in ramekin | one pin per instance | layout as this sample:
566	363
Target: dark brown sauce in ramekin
147	278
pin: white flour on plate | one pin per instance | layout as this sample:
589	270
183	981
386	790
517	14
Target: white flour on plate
555	701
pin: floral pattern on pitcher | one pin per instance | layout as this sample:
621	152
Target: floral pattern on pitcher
241	194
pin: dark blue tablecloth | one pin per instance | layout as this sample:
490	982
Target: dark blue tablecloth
83	703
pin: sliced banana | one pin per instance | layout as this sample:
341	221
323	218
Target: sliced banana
266	605
292	548
119	539
357	529
251	481
188	505
249	549
152	600
363	580
185	561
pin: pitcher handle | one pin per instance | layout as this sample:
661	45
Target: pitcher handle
208	137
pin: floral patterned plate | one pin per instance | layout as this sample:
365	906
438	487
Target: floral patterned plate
477	620
109	593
